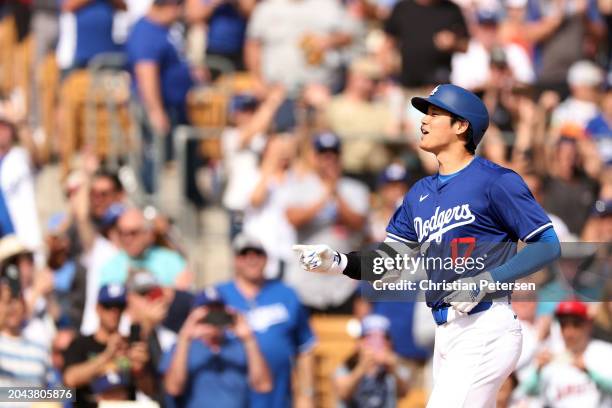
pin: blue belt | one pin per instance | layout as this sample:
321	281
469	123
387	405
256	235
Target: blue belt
440	314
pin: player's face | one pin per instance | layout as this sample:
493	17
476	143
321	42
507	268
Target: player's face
438	132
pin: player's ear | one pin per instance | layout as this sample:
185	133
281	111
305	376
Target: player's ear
461	127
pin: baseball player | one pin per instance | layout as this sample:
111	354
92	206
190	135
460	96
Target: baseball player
471	208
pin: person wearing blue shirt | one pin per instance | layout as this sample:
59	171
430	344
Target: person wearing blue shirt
94	28
463	225
161	77
226	26
216	359
279	321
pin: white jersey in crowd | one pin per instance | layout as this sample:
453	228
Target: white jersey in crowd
563	385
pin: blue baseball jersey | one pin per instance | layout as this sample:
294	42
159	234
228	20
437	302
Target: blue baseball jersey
281	327
478	214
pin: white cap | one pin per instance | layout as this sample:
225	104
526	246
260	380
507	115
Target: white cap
516	3
585	73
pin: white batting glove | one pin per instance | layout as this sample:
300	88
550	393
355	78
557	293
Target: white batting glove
464	301
318	258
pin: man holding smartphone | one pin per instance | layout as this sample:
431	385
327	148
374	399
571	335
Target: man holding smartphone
216	359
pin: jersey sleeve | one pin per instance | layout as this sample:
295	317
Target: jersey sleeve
516	208
401	226
152	52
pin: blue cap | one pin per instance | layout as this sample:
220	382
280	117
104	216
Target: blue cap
327	141
112	294
374	323
459	102
243	102
487	16
110	381
209	296
393	173
112	214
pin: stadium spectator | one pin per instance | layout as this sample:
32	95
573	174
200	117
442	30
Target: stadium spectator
148	307
569	193
599	129
574	113
69	274
227	22
602	324
216	360
296	43
161	79
576	28
426	33
86	30
168	267
279	323
391	188
265	215
105	366
16	347
580	374
35	286
324	206
90	192
45	30
362	118
471	69
17	197
374	375
243	143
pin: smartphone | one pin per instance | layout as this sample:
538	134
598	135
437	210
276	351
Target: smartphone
218	316
135	333
10	274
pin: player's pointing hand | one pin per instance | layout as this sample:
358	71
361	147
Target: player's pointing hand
318	258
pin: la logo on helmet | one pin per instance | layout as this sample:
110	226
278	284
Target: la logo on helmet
434	91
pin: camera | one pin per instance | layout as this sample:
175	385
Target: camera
218	316
9	274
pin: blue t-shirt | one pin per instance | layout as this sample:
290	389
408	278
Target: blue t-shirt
213	379
94	31
226	30
280	324
479	214
163	263
600	131
156	43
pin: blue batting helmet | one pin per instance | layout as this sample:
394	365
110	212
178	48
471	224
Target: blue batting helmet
459	102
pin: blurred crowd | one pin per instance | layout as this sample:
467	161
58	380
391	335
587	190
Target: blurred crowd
318	145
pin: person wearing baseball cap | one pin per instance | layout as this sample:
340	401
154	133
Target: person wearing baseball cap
282	328
374	372
105	365
392	185
212	332
579	375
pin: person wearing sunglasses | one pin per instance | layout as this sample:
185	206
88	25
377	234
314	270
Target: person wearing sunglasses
580	375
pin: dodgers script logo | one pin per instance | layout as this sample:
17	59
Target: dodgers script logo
443	221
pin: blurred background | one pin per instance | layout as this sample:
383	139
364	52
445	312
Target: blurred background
159	158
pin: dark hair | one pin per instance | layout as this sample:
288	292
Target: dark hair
470	146
109	175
